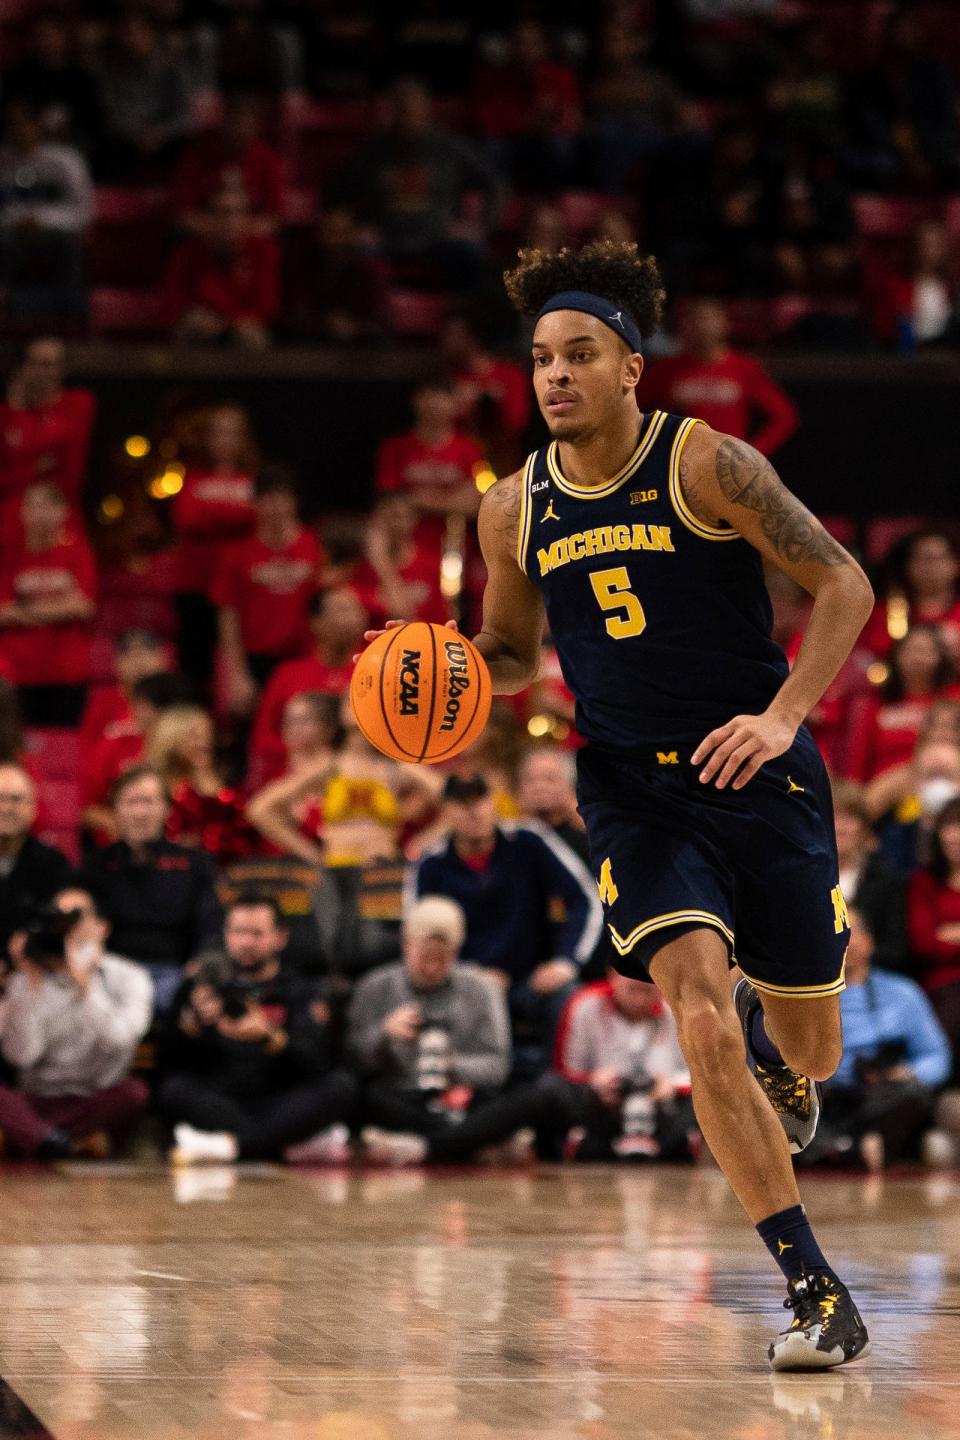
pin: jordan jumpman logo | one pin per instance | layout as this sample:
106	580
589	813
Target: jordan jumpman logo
793	789
783	1246
549	513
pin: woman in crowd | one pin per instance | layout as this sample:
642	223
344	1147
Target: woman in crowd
205	812
885	727
924	589
933	914
214	507
337	809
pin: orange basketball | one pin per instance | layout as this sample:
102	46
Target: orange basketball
421	692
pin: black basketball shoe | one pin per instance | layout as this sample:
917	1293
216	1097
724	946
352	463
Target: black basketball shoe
826	1329
795	1098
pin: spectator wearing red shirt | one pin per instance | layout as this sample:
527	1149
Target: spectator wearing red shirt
311	730
397	575
121	745
493	394
136	653
224	285
215	507
233	157
527	108
263	591
884	729
44	431
337	623
924	571
730	391
433	463
47	605
933	922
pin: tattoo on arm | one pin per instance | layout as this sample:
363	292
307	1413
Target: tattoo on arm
502	503
747	478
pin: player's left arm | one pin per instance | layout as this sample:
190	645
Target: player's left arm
725	480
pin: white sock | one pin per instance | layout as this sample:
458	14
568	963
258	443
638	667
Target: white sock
200	1145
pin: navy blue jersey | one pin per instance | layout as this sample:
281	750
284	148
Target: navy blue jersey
661	622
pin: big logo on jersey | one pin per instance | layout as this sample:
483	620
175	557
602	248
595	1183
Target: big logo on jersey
603	540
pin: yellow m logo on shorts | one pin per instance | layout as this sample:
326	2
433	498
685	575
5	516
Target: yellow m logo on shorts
667	757
840	920
606	886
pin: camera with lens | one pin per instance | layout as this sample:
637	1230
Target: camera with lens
46	936
220	974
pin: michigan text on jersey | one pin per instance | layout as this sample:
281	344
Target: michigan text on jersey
603	540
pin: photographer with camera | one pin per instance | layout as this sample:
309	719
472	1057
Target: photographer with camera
70	1022
617	1045
895	1057
247	1056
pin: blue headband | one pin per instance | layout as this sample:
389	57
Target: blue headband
605	311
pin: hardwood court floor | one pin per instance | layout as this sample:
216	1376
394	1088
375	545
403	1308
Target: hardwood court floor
583	1304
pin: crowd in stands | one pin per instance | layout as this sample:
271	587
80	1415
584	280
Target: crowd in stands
238	173
227	915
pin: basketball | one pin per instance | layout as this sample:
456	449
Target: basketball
421	692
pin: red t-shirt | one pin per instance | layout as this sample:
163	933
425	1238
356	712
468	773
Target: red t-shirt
930	904
120	746
726	394
884	734
57	654
206	166
507	384
294	677
271	592
244	286
407	463
106	707
211	510
50	443
421	574
877	638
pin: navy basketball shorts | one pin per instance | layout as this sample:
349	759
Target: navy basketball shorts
759	865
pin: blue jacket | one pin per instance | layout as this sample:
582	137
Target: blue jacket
888	1008
534	901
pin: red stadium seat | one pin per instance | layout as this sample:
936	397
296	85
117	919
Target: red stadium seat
415	313
887	215
751	320
841	527
54	753
126	310
884	532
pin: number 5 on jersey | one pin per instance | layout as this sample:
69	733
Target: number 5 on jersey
612	589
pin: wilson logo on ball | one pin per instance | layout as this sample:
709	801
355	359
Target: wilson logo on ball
410	682
458	680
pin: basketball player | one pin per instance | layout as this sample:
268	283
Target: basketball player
641	539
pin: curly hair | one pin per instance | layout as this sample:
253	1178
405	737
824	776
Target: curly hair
612	268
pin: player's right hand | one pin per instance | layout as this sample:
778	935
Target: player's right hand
370	635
